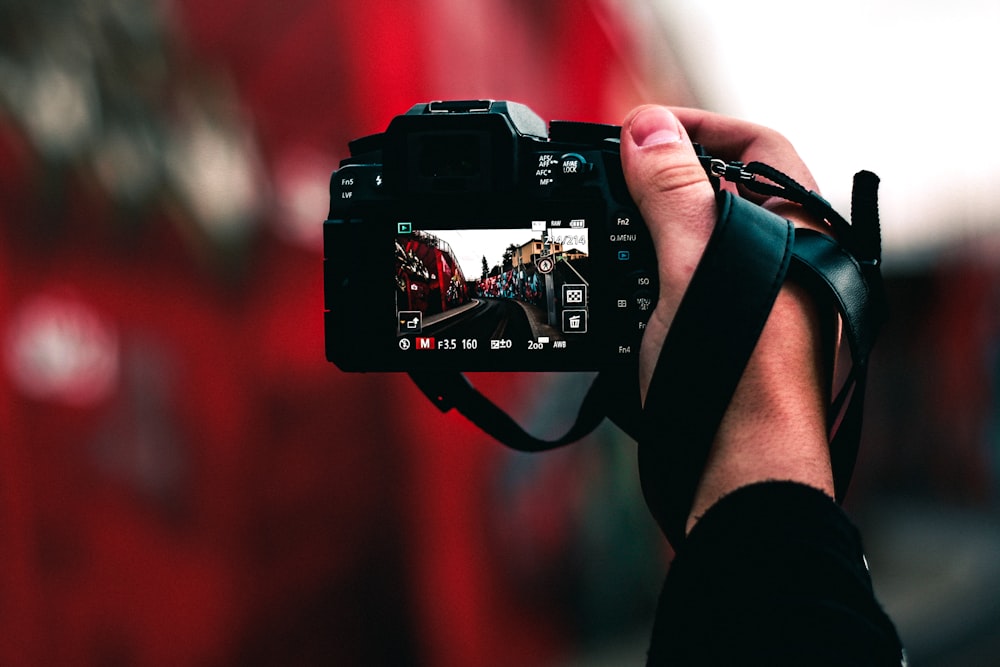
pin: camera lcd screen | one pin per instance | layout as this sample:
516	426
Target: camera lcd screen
492	291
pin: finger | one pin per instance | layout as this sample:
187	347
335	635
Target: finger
677	201
669	185
732	139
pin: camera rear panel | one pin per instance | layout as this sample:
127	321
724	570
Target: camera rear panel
455	261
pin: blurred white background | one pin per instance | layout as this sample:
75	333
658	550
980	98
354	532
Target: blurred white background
905	89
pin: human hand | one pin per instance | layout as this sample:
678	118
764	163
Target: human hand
775	426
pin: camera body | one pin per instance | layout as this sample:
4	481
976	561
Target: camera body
469	236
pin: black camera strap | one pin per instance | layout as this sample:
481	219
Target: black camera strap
750	255
452	390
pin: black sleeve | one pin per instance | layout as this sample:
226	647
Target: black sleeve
773	574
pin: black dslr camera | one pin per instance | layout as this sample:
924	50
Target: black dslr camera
468	236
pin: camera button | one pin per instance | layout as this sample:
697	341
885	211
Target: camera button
573	167
641	279
639	303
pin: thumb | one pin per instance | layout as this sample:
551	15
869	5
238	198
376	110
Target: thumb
677	202
669	185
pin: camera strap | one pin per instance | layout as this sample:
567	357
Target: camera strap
452	390
750	255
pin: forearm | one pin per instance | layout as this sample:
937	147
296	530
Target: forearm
775	426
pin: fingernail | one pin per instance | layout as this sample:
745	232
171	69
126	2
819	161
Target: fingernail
654	126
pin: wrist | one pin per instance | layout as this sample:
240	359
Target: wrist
775	426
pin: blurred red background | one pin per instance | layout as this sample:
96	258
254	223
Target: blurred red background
185	480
